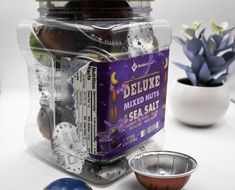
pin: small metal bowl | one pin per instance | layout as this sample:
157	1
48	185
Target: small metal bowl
163	170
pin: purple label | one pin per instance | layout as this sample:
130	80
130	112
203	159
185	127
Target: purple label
120	104
130	102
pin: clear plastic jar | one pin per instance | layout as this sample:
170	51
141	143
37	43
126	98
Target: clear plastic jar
98	79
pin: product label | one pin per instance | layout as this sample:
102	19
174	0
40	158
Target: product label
85	92
120	104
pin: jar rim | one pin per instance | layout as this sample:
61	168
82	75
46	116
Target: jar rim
86	0
134	9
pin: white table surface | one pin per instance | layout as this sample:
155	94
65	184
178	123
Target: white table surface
213	147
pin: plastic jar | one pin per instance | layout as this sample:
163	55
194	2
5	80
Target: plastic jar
98	79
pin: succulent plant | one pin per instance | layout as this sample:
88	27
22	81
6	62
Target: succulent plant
210	56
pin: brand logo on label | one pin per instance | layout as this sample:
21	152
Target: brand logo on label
134	67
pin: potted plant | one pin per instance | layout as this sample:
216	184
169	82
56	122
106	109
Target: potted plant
202	98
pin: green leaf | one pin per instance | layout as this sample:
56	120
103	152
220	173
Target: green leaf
221	79
182	66
228	31
192	77
230	46
179	40
216	28
204	74
185	26
211	44
201	34
196	25
190	33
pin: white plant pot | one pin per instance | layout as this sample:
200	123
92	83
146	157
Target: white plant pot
198	106
231	82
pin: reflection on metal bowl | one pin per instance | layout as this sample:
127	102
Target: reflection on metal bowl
163	170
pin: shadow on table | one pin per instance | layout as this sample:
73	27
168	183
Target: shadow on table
131	184
207	127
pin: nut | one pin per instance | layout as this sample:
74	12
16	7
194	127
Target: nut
125	10
113	115
165	77
113	131
114	96
164	106
164	93
61	42
45	124
114	143
114	81
166	64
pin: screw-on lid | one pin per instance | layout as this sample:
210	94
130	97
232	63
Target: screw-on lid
87	0
89	9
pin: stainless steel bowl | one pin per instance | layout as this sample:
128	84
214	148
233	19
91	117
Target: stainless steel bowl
163	170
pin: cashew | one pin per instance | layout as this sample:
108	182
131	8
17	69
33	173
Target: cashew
166	64
114	81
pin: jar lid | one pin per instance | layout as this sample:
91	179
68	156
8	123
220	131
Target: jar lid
86	0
